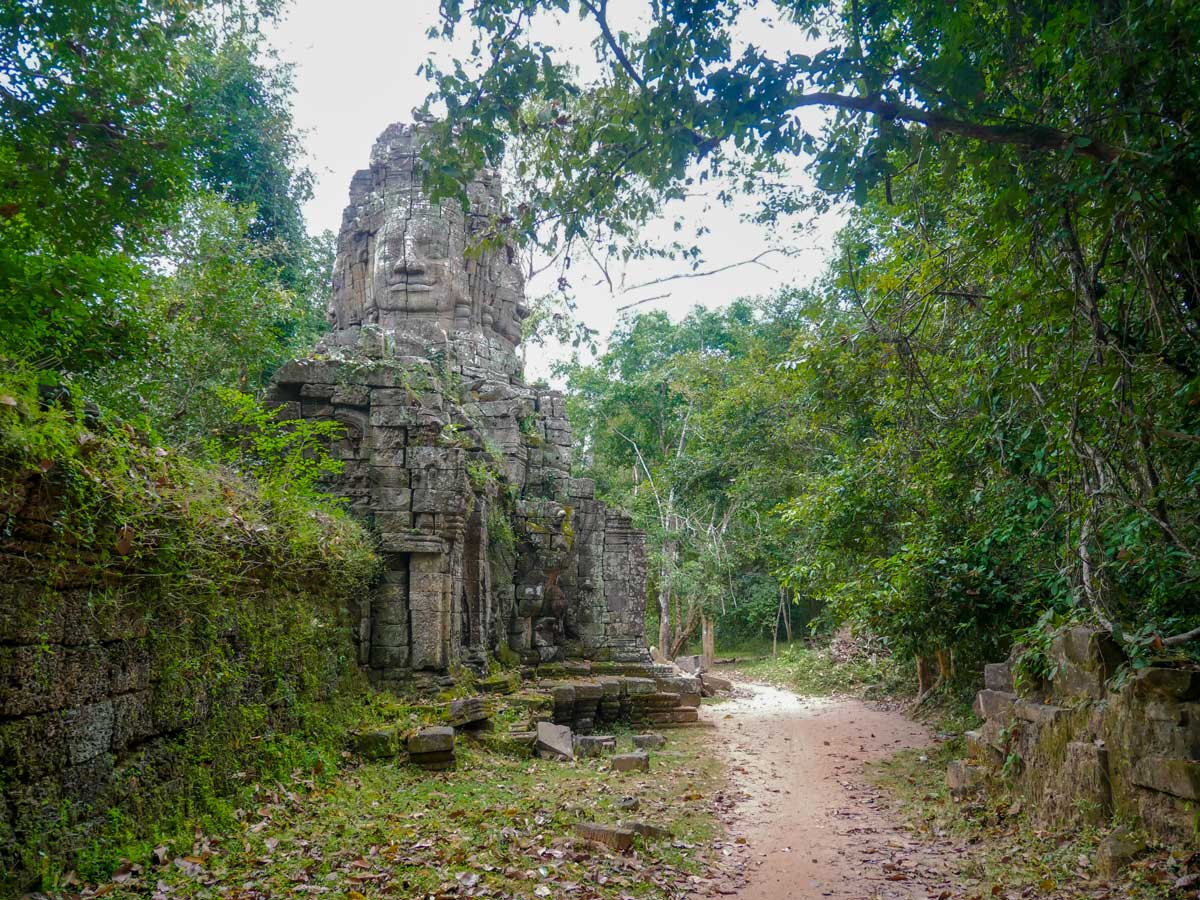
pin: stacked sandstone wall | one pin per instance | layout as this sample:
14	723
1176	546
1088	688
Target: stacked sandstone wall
131	685
1094	741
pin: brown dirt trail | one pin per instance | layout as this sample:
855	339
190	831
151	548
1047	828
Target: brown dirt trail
806	824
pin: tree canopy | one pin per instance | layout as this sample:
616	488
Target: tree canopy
152	241
989	416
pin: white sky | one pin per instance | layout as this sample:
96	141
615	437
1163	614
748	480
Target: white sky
356	63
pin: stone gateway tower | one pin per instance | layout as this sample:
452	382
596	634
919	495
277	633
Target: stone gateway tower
463	470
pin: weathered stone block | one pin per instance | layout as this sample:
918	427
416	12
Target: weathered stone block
554	741
434	739
638	761
501	683
714	684
1086	659
592	745
998	677
649	741
133	720
1117	851
1171	684
473	712
619	839
964	779
434	762
991	704
1178	777
379	743
637	686
1038	713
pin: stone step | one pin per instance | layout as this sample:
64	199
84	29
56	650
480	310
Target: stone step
991	704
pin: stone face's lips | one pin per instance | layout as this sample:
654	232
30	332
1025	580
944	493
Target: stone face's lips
415	287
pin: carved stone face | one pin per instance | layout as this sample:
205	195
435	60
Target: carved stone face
418	270
401	260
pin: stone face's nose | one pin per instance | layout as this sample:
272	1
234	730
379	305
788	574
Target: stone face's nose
412	276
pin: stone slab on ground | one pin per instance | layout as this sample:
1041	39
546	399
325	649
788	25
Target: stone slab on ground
554	741
715	684
638	761
614	836
435	739
502	683
1116	851
647	830
440	759
378	743
592	745
472	712
649	741
512	743
433	762
964	779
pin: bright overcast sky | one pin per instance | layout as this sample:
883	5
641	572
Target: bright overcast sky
356	63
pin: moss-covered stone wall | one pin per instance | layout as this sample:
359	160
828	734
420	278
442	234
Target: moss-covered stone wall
1093	742
163	625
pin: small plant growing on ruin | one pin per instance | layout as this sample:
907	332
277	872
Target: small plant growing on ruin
294	452
481	474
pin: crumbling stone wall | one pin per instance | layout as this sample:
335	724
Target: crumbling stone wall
491	547
1081	750
127	690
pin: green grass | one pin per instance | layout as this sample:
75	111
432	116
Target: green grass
813	671
386	829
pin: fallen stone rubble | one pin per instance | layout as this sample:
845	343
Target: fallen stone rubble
558	710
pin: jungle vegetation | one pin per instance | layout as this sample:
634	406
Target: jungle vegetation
985	419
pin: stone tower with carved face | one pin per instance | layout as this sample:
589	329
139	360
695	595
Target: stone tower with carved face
490	547
404	263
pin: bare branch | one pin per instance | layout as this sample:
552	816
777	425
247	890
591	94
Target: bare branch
755	260
642	301
600	14
1177	639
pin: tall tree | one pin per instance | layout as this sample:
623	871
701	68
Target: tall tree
1024	257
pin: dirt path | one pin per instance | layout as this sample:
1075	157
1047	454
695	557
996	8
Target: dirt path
805	822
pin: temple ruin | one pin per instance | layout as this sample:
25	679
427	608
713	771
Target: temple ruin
491	547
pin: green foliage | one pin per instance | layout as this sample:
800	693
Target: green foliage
814	672
987	413
1098	95
481	474
119	126
290	453
467	822
222	318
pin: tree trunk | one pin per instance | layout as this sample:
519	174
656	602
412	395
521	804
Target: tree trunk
925	675
708	652
945	664
664	620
